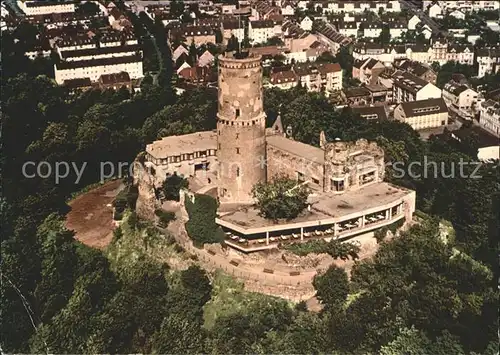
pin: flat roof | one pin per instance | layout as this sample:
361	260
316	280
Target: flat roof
299	149
327	208
185	144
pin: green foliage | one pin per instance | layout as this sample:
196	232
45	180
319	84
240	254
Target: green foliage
201	226
447	70
335	248
281	198
332	287
165	217
172	185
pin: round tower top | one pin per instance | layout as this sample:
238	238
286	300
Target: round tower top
239	60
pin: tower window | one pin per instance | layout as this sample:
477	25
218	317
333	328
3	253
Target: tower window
237	150
237	112
219	145
237	172
237	135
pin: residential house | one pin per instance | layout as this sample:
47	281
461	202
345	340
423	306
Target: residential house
461	54
413	22
488	144
324	77
457	14
489	117
358	96
233	28
115	81
348	29
378	113
397	27
197	76
261	31
306	24
408	87
460	98
423	71
189	34
181	49
423	114
94	68
367	71
372	29
488	60
75	85
435	11
33	8
287	8
283	79
206	59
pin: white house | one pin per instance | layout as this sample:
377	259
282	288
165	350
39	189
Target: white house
435	11
94	68
32	8
261	31
460	99
348	29
408	87
413	22
306	23
457	14
489	117
423	114
287	9
372	30
488	60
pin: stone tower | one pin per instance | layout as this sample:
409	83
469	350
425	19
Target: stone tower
241	124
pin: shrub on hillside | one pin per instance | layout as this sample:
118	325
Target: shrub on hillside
165	217
201	226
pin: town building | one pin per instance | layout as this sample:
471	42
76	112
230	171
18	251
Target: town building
193	34
284	80
460	98
489	116
360	6
32	8
322	77
115	81
367	71
488	60
350	197
488	144
408	87
261	31
378	113
423	71
423	114
94	68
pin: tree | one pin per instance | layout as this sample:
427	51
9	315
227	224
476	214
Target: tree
201	226
280	198
332	287
385	35
172	185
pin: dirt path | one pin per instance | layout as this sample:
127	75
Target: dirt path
91	218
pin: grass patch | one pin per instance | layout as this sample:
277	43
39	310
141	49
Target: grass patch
229	297
302	249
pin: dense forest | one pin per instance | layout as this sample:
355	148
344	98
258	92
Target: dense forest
421	294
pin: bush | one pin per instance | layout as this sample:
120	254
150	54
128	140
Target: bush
179	249
201	226
117	234
165	217
281	198
172	185
127	198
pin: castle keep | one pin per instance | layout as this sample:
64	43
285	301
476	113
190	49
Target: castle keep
241	128
349	196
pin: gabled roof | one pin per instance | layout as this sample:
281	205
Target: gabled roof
424	107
